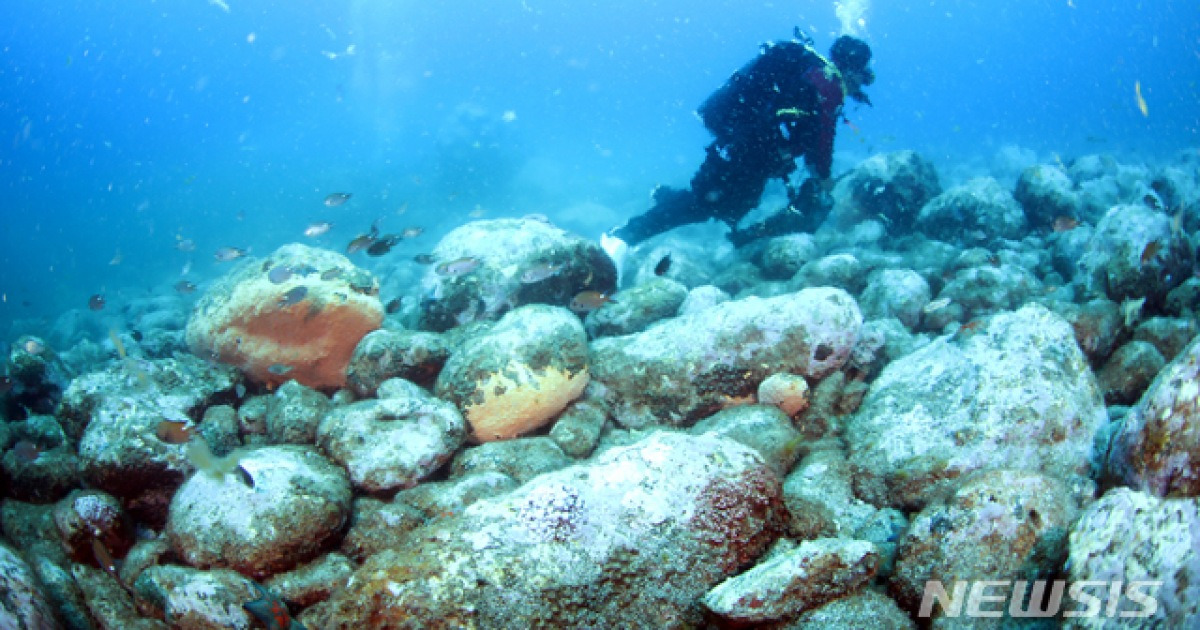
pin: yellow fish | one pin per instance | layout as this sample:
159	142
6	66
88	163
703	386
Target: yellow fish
1137	91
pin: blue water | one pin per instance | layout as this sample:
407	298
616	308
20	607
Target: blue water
128	126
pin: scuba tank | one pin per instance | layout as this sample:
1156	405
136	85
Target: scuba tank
746	101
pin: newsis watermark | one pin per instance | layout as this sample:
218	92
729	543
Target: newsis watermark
1041	598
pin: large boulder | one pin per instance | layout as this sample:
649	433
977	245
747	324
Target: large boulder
976	212
1157	448
686	368
386	354
1011	392
297	315
1129	537
1134	253
1046	193
278	510
632	539
636	308
514	377
486	268
22	602
394	441
117	413
998	525
890	185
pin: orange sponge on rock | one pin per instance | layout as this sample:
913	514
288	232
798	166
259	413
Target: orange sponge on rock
295	316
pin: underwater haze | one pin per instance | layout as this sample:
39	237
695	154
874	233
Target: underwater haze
134	130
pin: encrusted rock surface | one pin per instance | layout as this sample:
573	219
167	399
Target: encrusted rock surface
281	508
689	367
394	441
303	327
1013	392
512	262
515	376
631	539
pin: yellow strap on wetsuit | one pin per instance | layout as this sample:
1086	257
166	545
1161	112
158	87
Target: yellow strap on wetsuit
830	69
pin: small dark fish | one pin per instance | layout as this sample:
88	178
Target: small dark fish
392	306
173	432
383	245
586	301
424	259
330	274
226	254
1151	250
412	231
663	265
360	242
183	286
459	267
244	476
303	270
271	610
540	272
26	452
334	200
96	302
279	274
317	229
279	369
293	296
1065	224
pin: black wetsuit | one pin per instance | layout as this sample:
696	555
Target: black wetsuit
782	105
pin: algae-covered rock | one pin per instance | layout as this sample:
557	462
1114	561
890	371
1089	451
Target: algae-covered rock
892	185
811	575
294	412
386	354
763	428
296	315
189	598
521	459
279	509
998	525
634	309
975	212
1157	448
1013	392
1130	536
486	268
1047	193
630	539
22	602
118	410
899	293
514	377
577	430
394	441
1135	253
692	366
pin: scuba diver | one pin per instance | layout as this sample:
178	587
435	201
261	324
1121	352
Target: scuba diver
783	104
